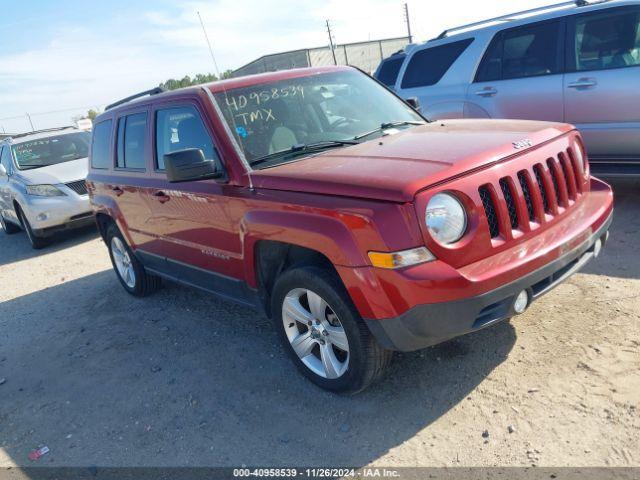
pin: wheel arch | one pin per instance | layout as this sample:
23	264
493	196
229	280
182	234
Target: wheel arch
273	257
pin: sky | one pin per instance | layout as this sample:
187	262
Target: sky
60	58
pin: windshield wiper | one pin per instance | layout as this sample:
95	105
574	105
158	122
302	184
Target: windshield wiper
387	125
303	148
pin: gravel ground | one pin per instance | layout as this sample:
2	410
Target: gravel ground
181	378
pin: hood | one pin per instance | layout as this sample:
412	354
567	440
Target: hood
396	167
55	174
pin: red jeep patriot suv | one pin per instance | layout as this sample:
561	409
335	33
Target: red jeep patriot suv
359	227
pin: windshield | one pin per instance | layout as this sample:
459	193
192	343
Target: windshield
328	107
51	150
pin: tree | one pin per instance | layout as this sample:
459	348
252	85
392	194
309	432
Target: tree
187	81
91	115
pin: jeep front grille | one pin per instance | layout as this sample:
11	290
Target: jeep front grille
535	195
79	186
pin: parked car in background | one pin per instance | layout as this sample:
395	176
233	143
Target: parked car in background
576	62
42	183
323	200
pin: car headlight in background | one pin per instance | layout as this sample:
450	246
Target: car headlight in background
44	191
446	218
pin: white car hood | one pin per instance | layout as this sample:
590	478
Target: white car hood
55	174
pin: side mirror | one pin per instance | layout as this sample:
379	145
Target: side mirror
3	171
189	165
413	103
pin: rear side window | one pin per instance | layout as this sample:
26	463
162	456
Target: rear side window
389	69
522	52
607	40
428	66
180	128
132	134
101	145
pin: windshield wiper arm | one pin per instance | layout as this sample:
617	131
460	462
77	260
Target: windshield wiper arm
387	125
303	147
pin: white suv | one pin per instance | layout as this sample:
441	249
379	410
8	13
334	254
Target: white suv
576	62
42	183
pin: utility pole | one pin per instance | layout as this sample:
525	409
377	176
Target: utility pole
30	122
406	17
333	52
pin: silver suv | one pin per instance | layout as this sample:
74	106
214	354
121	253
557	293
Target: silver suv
42	183
575	62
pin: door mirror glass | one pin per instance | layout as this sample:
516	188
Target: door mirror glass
189	165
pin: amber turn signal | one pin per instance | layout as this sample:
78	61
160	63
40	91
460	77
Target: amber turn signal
401	259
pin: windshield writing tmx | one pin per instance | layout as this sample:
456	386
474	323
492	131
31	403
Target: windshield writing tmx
330	107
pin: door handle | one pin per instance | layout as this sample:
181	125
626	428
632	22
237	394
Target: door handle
583	83
162	197
117	190
487	92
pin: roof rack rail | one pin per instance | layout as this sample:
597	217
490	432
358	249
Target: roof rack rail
153	91
512	16
44	130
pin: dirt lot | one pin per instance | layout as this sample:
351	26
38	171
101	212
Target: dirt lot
180	378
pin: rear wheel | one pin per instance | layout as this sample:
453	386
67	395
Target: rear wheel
36	242
8	227
128	268
323	333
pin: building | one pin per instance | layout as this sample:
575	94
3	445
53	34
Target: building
364	55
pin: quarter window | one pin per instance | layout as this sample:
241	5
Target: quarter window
522	52
609	40
389	69
132	133
428	66
101	145
180	128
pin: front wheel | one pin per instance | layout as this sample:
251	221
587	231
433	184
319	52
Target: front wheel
128	268
36	242
323	333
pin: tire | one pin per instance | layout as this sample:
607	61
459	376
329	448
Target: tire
8	227
36	242
128	269
328	365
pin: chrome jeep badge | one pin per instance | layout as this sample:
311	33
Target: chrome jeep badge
522	144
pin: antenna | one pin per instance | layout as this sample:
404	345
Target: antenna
216	106
206	37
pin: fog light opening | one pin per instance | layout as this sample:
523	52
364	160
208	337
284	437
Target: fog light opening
597	247
521	303
42	216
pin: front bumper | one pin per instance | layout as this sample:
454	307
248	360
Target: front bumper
48	215
430	324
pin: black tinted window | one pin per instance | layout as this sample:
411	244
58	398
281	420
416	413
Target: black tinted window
132	133
101	143
608	40
388	72
428	66
181	128
522	52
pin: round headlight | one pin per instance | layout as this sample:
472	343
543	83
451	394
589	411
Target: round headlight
446	218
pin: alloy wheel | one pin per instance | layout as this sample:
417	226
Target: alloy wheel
122	261
315	333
